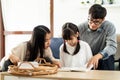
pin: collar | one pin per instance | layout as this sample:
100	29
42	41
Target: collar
98	30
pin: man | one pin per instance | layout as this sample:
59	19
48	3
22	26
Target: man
101	36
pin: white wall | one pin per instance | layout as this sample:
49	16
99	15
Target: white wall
76	13
113	15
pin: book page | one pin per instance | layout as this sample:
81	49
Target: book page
80	69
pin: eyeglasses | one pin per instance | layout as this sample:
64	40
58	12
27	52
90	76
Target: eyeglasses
95	21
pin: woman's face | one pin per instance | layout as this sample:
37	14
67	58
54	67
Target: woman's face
73	41
47	40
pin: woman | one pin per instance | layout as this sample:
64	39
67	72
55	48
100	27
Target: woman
37	46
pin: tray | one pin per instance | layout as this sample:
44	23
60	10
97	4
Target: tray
42	69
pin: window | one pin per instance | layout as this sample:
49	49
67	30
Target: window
23	15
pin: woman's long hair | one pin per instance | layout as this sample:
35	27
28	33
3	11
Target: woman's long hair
68	30
37	43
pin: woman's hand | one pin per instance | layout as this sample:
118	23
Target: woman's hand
57	63
14	59
95	60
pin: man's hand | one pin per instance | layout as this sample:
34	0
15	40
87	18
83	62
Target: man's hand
95	60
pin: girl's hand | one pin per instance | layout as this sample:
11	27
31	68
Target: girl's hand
14	59
57	63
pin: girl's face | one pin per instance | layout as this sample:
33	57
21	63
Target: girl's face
73	41
47	40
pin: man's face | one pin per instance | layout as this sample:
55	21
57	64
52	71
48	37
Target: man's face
94	24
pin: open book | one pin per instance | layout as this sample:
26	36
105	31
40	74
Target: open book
26	65
75	69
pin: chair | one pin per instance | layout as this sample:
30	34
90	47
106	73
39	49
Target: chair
117	55
55	45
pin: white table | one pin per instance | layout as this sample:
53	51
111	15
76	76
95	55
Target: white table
90	75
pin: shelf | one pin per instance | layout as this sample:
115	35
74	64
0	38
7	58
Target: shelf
106	6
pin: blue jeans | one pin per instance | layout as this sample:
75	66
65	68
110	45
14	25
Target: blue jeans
6	64
107	64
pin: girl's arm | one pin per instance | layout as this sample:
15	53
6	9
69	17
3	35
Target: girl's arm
18	53
48	53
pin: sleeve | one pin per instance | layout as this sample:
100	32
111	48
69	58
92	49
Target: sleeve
88	52
48	53
111	43
61	56
19	51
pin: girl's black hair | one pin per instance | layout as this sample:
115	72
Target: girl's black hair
37	43
68	30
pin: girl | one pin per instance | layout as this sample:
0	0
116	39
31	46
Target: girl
37	46
73	52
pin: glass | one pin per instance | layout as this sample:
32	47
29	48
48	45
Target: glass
95	21
23	18
30	14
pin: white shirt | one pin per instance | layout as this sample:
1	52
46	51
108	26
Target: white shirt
20	52
77	60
